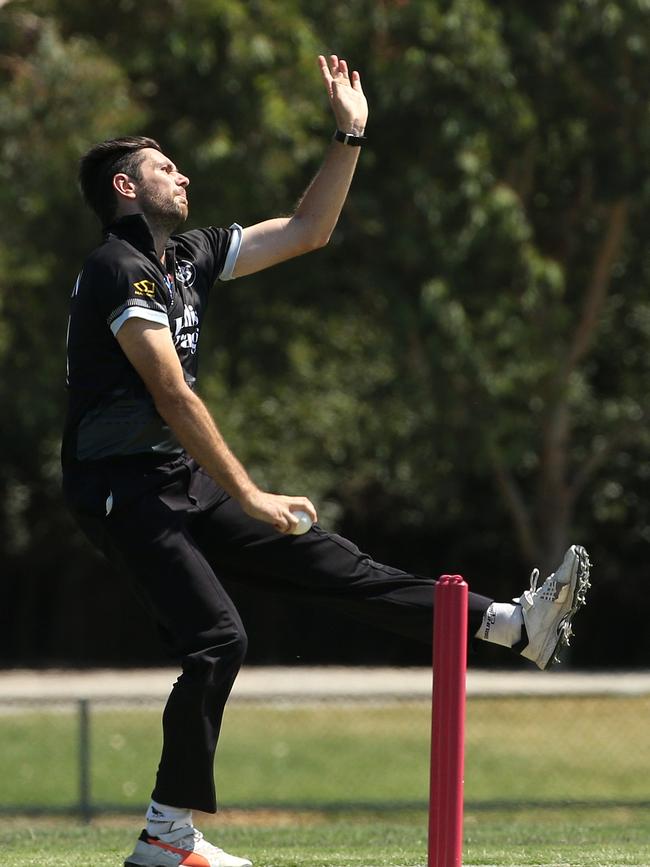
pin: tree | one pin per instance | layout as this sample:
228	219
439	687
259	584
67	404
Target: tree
513	160
463	367
55	95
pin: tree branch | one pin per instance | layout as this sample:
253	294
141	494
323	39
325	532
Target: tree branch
515	504
596	293
598	457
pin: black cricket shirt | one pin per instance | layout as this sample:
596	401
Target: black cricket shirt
110	412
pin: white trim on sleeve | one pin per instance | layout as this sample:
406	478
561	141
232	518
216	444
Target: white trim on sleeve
138	313
233	252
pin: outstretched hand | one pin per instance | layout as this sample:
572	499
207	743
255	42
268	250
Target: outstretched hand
346	94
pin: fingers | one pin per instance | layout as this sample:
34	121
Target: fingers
334	63
337	70
325	72
294	506
356	81
302	504
286	524
284	520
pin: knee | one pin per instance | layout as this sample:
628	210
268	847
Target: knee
219	656
237	646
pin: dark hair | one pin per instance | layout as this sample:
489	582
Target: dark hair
102	162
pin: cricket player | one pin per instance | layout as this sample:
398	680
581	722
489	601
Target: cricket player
155	487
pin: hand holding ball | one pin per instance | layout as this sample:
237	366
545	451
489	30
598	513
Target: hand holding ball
303	525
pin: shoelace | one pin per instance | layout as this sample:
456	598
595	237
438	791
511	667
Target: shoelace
549	589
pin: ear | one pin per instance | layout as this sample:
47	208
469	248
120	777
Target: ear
123	184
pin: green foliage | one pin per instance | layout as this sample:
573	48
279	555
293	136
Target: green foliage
57	96
512	175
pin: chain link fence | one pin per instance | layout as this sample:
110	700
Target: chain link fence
531	740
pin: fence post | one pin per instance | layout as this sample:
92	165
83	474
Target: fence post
85	805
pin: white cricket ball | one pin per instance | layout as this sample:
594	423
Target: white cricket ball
304	523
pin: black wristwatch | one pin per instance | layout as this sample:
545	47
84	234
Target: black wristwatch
347	138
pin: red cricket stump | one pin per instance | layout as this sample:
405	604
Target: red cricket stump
448	722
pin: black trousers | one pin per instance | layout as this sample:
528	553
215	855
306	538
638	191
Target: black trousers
177	534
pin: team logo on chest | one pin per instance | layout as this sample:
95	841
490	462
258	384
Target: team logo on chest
186	329
185	272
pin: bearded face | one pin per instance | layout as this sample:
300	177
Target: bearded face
162	191
166	208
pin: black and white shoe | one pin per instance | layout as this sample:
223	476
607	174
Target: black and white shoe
548	610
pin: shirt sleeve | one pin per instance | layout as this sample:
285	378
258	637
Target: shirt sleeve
136	308
232	252
123	292
213	251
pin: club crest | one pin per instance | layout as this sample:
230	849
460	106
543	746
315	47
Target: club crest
185	272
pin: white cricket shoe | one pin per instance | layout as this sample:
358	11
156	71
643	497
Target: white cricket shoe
182	847
548	609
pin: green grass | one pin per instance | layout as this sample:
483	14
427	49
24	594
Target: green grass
518	750
550	749
576	837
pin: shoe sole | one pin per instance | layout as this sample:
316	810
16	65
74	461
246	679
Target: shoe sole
139	864
134	864
579	598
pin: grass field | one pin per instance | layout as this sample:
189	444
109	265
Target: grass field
326	755
576	837
303	762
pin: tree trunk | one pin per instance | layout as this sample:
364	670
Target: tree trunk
543	531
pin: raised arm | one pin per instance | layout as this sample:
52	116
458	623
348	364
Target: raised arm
317	213
150	349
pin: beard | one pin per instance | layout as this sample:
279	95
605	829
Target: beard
164	212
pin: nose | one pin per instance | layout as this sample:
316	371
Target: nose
183	180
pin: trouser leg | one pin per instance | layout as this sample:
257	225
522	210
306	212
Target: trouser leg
325	567
200	625
174	544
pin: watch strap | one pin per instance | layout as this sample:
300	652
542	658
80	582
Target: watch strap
347	138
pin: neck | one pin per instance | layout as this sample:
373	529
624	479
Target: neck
160	236
160	229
